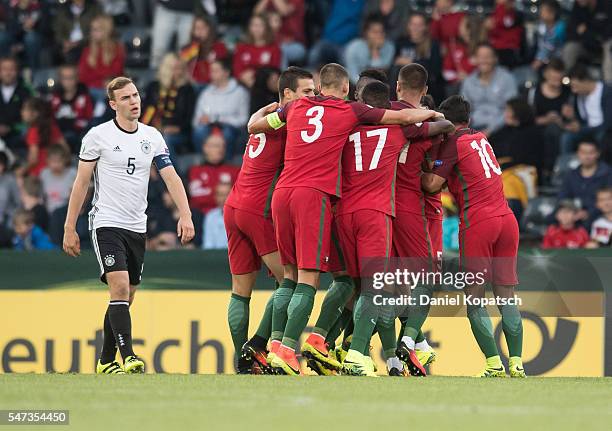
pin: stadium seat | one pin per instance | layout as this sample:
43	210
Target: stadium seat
536	216
563	164
183	162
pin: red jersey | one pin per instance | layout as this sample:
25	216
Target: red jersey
369	164
202	182
97	75
317	129
261	166
508	28
557	237
410	197
457	59
32	139
253	57
446	28
199	62
467	161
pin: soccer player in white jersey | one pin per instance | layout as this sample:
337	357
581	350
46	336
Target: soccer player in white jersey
119	154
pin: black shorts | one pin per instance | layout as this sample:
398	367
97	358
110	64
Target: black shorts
119	250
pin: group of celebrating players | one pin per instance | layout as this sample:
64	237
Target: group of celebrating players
328	185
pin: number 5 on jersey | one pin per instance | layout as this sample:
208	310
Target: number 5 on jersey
131	166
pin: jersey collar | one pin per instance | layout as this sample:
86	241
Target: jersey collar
122	129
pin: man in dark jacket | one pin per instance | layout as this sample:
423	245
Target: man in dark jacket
591	114
13	92
581	184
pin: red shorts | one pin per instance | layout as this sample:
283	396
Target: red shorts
336	257
249	236
302	221
434	227
411	240
365	240
491	246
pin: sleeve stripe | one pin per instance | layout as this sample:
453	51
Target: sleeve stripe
87	160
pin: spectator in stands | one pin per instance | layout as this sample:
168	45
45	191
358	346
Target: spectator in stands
372	50
27	22
71	26
204	178
32	200
565	233
58	218
548	99
72	106
581	184
519	141
342	25
168	103
601	229
506	28
13	93
290	33
418	47
393	12
460	53
488	89
607	47
586	30
550	33
215	237
258	50
57	178
446	19
265	90
28	235
118	9
224	104
42	132
102	59
591	114
10	198
450	222
203	50
161	228
172	17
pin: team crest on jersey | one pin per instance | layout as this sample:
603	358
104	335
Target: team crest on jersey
109	260
145	146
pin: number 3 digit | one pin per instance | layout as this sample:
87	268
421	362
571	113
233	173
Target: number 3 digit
316	112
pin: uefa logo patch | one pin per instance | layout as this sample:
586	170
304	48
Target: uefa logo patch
146	147
109	260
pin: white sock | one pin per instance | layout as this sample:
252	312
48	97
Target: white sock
394	362
408	341
423	345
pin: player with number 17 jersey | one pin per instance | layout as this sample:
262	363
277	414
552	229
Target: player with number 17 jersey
317	129
488	229
251	237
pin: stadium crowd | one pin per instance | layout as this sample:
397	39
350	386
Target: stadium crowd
538	74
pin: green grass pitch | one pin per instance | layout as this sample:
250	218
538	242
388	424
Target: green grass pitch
225	402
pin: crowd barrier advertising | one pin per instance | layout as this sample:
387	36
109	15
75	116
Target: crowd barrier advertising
186	331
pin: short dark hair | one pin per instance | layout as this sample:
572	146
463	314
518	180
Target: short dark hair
289	79
332	75
580	72
456	110
377	94
521	110
413	76
368	75
604	189
428	101
225	64
557	64
371	19
553	5
486	45
588	140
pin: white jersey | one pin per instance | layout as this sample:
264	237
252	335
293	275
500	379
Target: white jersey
121	175
601	230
